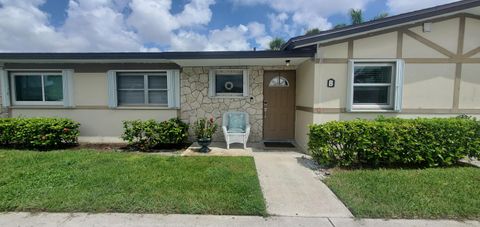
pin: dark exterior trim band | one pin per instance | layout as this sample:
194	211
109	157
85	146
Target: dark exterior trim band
404	111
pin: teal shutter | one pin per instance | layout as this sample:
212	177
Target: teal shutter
67	75
173	80
112	89
211	82
349	103
246	83
400	64
4	88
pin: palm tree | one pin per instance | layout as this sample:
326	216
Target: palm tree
276	43
380	16
312	31
340	25
356	16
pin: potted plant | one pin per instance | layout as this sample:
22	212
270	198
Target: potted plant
204	130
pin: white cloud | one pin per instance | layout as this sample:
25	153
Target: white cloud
228	38
197	12
152	20
304	14
402	6
97	25
26	28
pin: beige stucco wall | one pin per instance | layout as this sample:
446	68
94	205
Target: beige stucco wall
470	87
428	88
330	97
472	35
90	89
384	45
444	33
98	122
414	49
91	109
302	120
305	84
334	51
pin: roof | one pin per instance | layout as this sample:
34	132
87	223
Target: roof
392	21
158	55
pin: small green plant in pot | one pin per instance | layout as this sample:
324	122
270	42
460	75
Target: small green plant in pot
204	130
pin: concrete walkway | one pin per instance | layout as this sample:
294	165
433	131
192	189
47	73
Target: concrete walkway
154	220
291	187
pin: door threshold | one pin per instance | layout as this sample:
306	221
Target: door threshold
278	145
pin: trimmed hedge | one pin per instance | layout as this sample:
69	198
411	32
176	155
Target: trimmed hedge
395	142
145	135
38	133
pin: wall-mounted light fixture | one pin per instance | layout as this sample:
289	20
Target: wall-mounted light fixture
427	27
287	63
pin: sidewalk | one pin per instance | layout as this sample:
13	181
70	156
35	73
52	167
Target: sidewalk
155	220
291	187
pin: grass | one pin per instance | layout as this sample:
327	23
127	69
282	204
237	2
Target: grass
452	193
90	181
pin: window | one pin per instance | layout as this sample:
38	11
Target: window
32	88
228	83
142	89
375	85
279	81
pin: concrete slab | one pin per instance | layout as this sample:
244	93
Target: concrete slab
153	220
220	149
471	161
150	220
349	222
291	187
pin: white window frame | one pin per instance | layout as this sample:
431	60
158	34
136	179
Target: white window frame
396	85
42	74
173	88
212	83
145	88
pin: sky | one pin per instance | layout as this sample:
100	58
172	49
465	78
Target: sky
174	25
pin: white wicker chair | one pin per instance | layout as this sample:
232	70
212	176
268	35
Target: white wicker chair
236	134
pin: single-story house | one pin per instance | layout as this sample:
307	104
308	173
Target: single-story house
419	64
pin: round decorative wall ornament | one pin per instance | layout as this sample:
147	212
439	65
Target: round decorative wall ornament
228	85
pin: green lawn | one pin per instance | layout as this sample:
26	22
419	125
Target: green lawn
91	181
427	193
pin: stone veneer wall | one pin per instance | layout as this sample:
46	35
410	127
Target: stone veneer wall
195	102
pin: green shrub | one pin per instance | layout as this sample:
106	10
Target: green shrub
145	135
38	133
395	141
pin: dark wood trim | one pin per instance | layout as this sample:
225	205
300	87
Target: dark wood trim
411	60
334	60
404	111
472	52
461	36
472	16
92	67
456	86
441	60
304	108
429	43
399	44
350	49
458	66
87	107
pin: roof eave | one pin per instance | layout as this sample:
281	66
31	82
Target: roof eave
385	23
